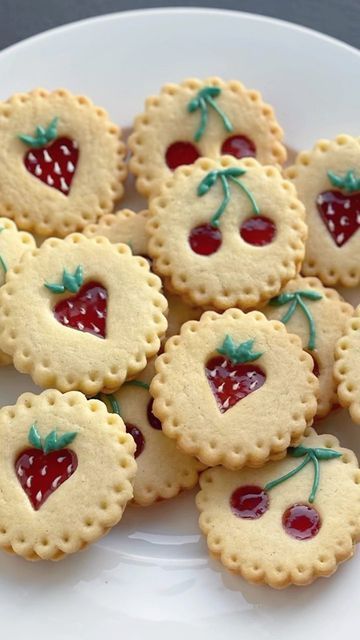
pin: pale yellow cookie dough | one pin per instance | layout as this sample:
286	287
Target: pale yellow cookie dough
56	355
258	427
86	505
329	315
260	550
123	226
238	273
166	120
347	366
331	263
99	174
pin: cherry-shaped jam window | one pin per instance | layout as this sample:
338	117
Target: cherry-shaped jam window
205	239
258	231
239	146
138	437
340	208
249	502
232	375
84	311
180	153
51	159
44	467
301	521
153	420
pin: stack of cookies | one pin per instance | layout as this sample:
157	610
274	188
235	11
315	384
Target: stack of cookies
195	340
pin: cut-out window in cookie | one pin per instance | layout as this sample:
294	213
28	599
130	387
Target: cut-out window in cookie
340	208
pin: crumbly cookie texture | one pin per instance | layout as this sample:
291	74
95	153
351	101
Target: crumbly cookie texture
163	470
61	161
347	366
13	244
318	315
327	180
227	197
234	389
190	113
261	549
81	314
66	474
123	226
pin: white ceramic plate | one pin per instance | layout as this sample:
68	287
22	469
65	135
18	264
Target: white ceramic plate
151	576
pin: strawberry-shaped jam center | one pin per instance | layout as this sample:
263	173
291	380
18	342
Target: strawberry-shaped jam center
301	521
340	213
258	231
179	153
54	164
239	147
40	474
85	311
205	239
249	501
232	382
153	420
136	434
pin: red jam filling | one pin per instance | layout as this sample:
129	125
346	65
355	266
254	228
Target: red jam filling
340	213
180	153
153	420
205	239
258	231
40	474
135	432
316	368
55	164
85	311
231	382
301	521
249	501
239	147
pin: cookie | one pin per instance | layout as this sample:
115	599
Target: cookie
234	389
13	244
318	315
61	162
162	470
179	312
327	180
81	314
123	226
66	473
347	367
219	218
201	118
291	521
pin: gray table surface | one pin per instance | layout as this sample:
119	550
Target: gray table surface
20	19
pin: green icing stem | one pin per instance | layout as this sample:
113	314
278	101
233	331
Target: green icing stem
204	99
138	383
226	190
247	191
311	455
296	298
114	404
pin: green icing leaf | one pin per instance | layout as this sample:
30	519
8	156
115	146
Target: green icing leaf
3	264
207	182
298	452
326	454
283	298
349	182
42	136
51	442
70	282
34	437
241	353
66	439
138	383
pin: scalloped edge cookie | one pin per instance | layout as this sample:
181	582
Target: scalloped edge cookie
61	527
346	369
45	210
149	172
227	443
243	553
123	226
323	258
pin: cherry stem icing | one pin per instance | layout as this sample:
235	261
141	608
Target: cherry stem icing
204	99
239	353
311	454
348	183
225	175
52	442
114	403
70	282
42	136
296	299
